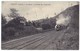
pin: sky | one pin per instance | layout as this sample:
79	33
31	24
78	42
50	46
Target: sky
34	10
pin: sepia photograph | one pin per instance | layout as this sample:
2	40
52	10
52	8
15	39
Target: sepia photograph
40	25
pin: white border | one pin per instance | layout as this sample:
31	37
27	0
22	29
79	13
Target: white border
39	0
34	0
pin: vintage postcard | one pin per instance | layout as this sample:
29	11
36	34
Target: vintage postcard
40	25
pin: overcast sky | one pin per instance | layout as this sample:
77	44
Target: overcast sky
36	10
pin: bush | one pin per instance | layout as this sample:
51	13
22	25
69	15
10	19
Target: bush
46	26
8	33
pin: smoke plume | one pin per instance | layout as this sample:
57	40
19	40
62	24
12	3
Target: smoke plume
63	20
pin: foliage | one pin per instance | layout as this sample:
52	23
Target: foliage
3	20
46	26
14	13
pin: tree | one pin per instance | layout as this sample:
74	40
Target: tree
13	26
29	23
46	26
3	20
14	13
34	24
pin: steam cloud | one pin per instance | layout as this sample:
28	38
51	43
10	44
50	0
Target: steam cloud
63	20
